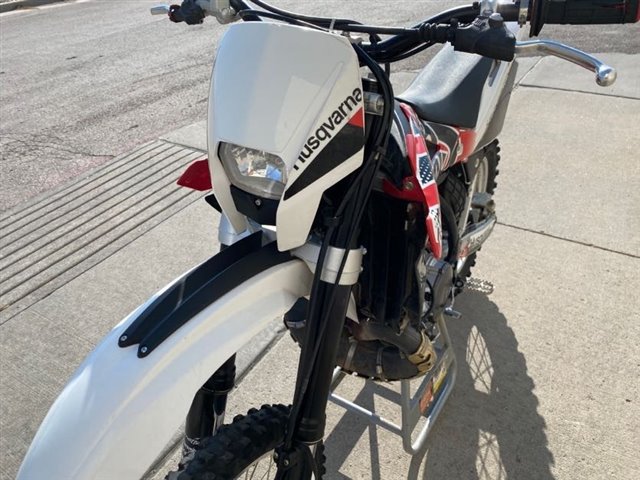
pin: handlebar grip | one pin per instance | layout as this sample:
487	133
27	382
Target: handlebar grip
582	12
189	12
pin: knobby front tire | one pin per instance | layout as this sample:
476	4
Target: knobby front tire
244	448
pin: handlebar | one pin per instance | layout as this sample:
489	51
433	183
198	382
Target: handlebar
487	36
468	28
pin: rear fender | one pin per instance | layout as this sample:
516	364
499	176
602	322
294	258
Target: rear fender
123	405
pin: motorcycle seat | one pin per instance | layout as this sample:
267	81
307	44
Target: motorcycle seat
448	90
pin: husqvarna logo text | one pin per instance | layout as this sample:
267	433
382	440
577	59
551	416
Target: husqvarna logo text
326	130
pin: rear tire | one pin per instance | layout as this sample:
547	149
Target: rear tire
454	191
249	440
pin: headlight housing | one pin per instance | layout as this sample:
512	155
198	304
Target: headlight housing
254	171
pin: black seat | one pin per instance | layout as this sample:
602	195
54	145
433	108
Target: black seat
448	90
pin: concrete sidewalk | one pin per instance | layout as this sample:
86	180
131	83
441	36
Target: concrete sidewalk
547	349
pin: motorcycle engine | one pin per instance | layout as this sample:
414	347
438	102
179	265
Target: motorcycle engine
399	291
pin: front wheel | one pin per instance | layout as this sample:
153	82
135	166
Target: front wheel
244	448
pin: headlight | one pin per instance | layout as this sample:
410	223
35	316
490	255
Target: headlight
254	171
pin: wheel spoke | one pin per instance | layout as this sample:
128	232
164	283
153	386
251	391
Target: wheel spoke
253	472
258	469
269	471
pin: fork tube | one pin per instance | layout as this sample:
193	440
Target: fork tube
309	430
207	410
312	420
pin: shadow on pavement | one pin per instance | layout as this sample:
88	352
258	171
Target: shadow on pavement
490	427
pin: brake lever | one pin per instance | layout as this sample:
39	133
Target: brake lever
605	75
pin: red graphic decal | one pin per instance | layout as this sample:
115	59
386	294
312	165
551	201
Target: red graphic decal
197	176
358	119
468	140
422	168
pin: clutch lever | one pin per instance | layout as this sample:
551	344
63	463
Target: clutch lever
605	75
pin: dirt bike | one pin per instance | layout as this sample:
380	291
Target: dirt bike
354	213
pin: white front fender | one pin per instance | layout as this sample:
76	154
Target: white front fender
119	411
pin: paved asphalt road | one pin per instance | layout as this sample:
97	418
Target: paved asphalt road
81	82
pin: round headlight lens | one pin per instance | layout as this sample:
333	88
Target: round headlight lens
254	171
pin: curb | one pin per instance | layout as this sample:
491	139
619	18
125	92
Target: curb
22	4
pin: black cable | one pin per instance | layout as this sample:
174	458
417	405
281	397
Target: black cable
276	16
380	142
239	5
362	186
324	22
404	43
358	28
410	53
464	14
391	48
298	16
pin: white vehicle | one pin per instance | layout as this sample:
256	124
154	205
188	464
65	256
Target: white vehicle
353	212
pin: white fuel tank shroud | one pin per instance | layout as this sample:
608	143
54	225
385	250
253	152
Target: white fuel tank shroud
274	88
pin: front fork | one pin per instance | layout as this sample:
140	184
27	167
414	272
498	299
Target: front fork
297	458
206	414
308	427
207	411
